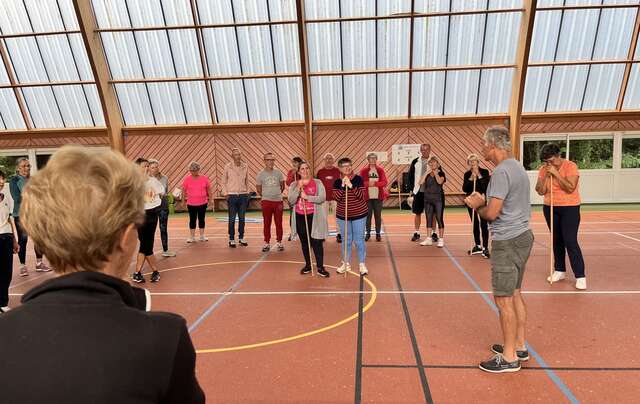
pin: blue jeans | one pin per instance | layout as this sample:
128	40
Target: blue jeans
356	234
237	206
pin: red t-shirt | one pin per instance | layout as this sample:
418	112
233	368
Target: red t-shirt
328	176
309	189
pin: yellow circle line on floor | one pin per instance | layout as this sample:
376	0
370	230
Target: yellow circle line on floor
370	303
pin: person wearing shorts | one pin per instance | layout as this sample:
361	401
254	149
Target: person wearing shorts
508	209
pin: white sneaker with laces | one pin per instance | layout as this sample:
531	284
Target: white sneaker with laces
204	238
427	241
280	247
4	309
363	269
440	242
581	283
343	268
556	276
168	254
24	271
191	240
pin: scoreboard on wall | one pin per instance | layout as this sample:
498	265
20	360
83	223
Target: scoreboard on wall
402	154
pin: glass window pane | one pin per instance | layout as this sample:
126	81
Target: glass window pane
262	100
461	92
42	107
324	47
632	96
603	87
393	44
495	91
531	151
428	94
326	101
591	153
631	152
230	101
134	104
360	96
10	111
393	95
290	91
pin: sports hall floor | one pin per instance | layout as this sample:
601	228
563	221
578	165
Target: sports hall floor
414	330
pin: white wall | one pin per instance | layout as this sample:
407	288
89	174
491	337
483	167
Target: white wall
597	186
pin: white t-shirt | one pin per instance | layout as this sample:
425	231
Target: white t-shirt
6	207
153	192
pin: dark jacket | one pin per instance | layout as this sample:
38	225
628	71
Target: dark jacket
84	338
481	183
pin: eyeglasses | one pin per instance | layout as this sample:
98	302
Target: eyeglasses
269	159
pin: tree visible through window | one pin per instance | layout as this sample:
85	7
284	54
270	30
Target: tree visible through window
590	154
531	152
631	152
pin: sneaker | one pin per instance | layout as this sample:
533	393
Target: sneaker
338	238
556	276
24	271
280	246
155	276
485	253
191	240
243	243
378	237
367	237
266	247
415	237
345	267
427	241
498	364
363	269
232	244
434	237
4	309
289	238
322	272
305	270
137	277
440	242
581	283
475	250
168	254
522	355
42	267
204	238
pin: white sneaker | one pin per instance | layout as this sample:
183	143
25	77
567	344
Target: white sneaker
24	271
191	240
556	276
204	238
440	242
4	309
363	269
168	254
280	247
581	283
427	241
345	267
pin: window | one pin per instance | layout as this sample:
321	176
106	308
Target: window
590	154
630	152
531	151
42	159
8	165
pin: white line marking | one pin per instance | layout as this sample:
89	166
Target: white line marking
625	236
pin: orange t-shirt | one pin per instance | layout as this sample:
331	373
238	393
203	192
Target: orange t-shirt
560	196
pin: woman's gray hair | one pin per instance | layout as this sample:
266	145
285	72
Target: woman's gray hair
499	137
194	166
371	155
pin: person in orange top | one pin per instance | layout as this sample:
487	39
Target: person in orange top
566	211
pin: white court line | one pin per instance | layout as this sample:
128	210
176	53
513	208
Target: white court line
390	292
625	236
629	247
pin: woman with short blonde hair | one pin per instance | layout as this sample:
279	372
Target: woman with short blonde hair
82	210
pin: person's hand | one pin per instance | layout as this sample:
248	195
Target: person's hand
16	246
410	200
475	173
300	185
346	182
475	200
303	195
552	170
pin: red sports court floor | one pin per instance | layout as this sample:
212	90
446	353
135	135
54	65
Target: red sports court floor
414	332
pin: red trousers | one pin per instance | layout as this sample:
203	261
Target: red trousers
272	209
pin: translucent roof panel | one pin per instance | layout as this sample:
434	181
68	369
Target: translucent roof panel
439	6
326	97
428	93
632	96
241	11
360	96
393	95
10	117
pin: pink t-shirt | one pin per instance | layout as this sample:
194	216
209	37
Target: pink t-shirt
196	189
309	189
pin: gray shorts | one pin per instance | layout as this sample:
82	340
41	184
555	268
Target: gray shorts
508	261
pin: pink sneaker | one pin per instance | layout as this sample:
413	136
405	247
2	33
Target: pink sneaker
24	271
42	267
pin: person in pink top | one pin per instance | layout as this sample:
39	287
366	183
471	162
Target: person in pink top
197	191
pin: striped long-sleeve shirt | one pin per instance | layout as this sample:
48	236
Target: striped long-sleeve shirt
357	203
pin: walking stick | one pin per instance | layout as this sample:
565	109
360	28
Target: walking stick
346	225
399	194
306	228
551	228
473	219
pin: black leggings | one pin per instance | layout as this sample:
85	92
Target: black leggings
147	232
6	267
198	212
375	209
434	209
23	239
566	222
316	244
479	223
